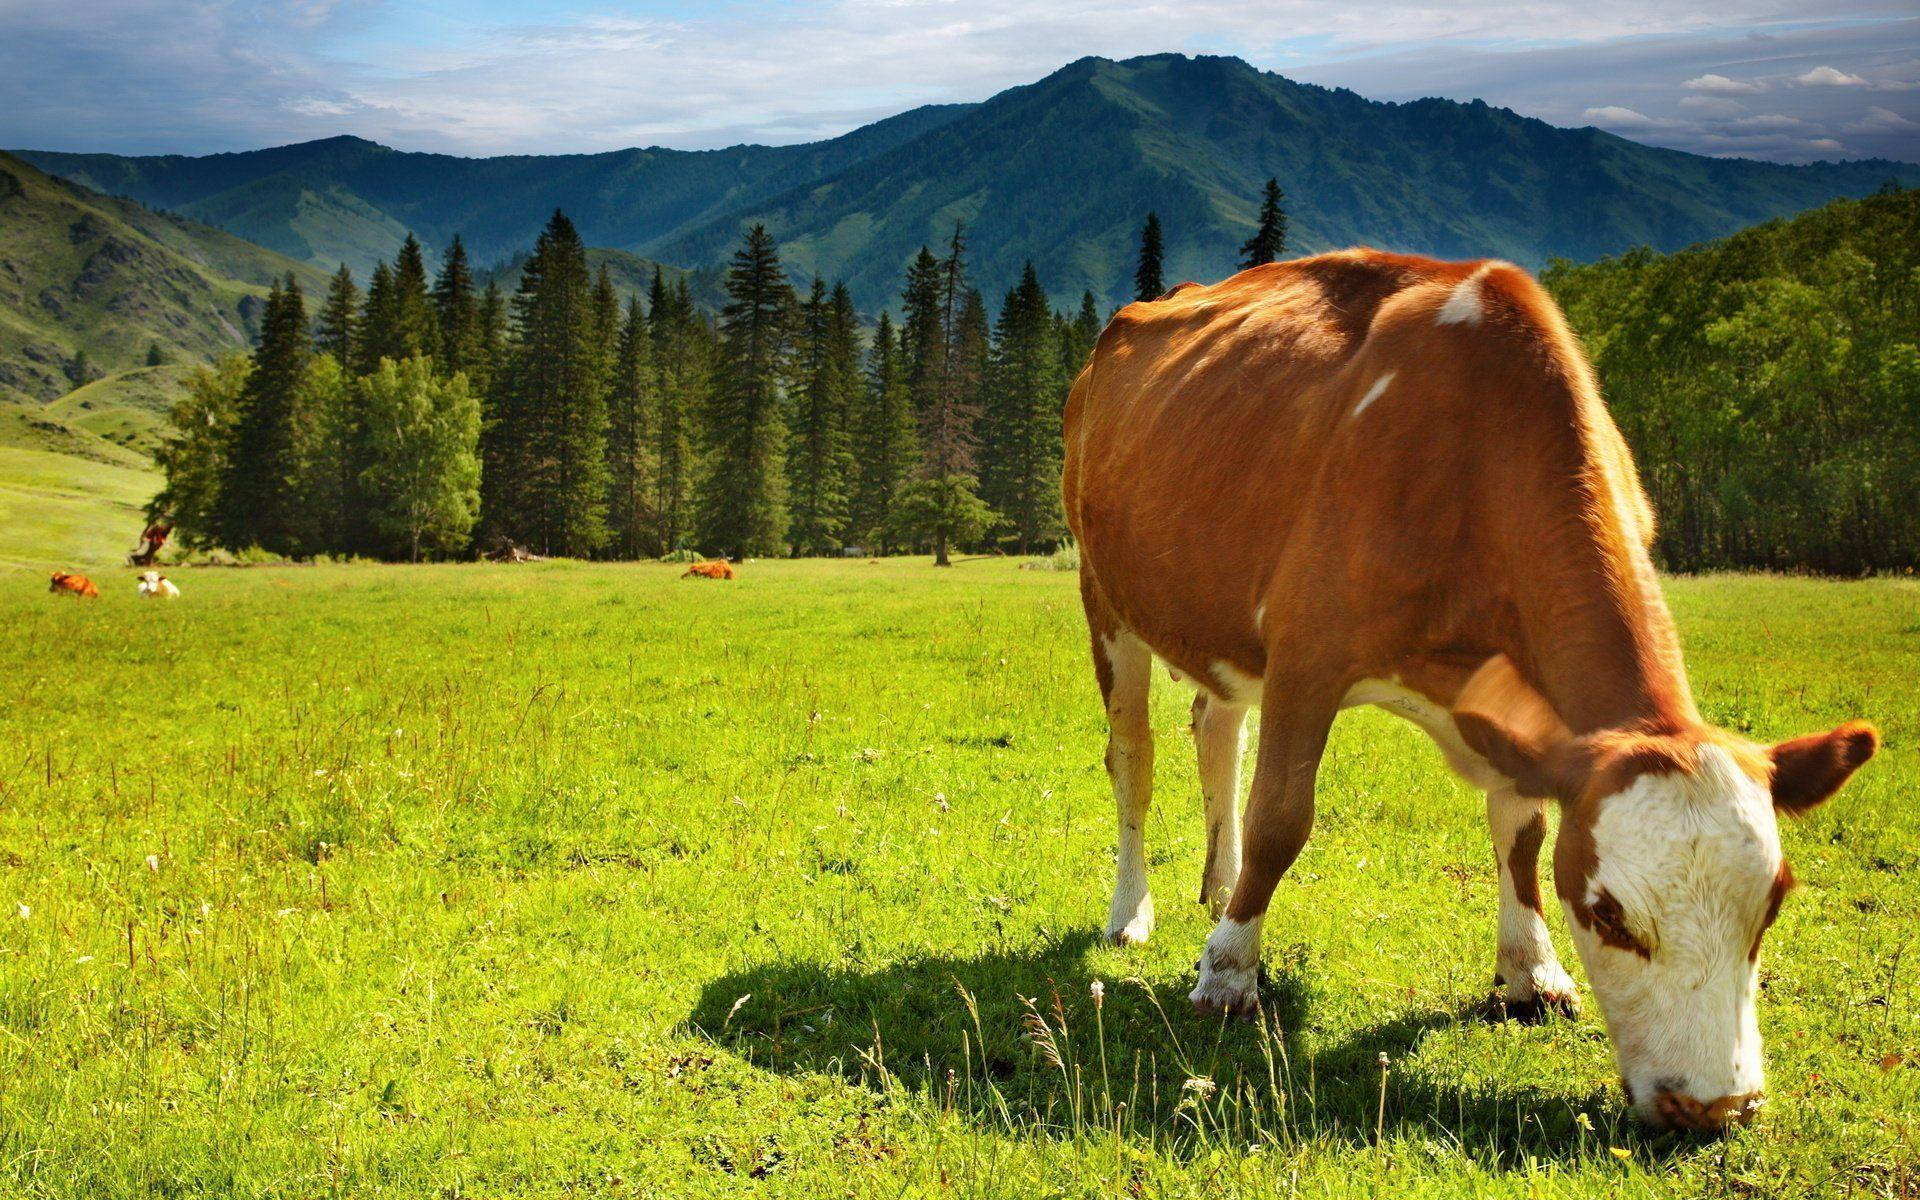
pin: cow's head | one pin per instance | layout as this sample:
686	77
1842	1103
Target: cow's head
1668	866
58	581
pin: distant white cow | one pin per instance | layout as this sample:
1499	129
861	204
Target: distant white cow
155	586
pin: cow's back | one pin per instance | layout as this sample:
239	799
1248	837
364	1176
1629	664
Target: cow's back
1354	420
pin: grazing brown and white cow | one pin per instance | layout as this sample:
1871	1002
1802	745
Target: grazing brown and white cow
1365	478
66	583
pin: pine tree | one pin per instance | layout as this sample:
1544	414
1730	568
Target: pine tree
337	332
1148	278
155	357
379	316
923	332
545	482
827	384
489	343
196	455
886	439
456	313
415	331
1022	479
683	354
606	322
260	498
947	420
1269	240
743	507
632	441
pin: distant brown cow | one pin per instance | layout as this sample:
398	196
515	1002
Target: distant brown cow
719	568
72	585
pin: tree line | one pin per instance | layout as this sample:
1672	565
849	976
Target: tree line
430	417
1769	385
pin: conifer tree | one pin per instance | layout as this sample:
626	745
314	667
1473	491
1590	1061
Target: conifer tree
414	332
260	499
545	482
489	343
155	356
632	441
683	354
456	313
923	330
1149	282
886	439
826	385
743	507
1269	240
371	339
336	334
947	420
1022	478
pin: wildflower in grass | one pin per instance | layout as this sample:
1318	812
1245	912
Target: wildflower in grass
153	862
25	911
1099	991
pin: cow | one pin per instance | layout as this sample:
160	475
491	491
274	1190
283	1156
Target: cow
155	586
1366	478
68	584
719	568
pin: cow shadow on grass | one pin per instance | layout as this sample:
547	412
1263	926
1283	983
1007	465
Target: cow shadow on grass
1010	1039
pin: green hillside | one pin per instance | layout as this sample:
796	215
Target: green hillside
349	200
67	497
81	272
1062	171
127	408
1769	384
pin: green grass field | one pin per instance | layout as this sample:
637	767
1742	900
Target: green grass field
565	880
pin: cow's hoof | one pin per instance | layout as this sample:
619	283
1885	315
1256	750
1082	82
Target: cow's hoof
1231	993
1533	1008
1131	925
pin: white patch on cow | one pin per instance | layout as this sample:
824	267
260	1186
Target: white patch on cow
1404	702
1236	685
1373	393
1691	860
1260	618
1464	304
1229	967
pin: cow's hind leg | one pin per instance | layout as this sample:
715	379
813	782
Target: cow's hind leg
1125	683
1525	965
1218	728
1296	713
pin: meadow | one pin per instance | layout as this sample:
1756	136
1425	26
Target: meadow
566	880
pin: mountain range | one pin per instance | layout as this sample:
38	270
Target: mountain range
1061	171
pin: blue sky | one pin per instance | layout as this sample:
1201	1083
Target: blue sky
1757	78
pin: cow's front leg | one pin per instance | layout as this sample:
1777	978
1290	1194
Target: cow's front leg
1293	734
1127	682
1525	964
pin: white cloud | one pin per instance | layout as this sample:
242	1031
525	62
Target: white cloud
1829	77
1723	85
1612	116
1826	145
1713	106
1883	120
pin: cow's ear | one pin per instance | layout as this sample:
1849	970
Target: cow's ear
1807	770
1513	727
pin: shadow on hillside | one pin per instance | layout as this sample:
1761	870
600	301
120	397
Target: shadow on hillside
912	1020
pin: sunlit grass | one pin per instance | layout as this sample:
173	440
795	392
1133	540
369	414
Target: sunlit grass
566	880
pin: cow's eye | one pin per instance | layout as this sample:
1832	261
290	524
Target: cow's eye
1609	923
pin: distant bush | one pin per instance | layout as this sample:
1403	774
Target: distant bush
681	556
1066	558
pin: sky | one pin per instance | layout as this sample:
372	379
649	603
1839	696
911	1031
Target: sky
1777	79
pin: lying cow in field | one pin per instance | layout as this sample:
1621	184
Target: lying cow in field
69	584
719	568
155	586
1365	478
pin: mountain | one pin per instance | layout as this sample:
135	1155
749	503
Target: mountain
346	199
1061	171
81	272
